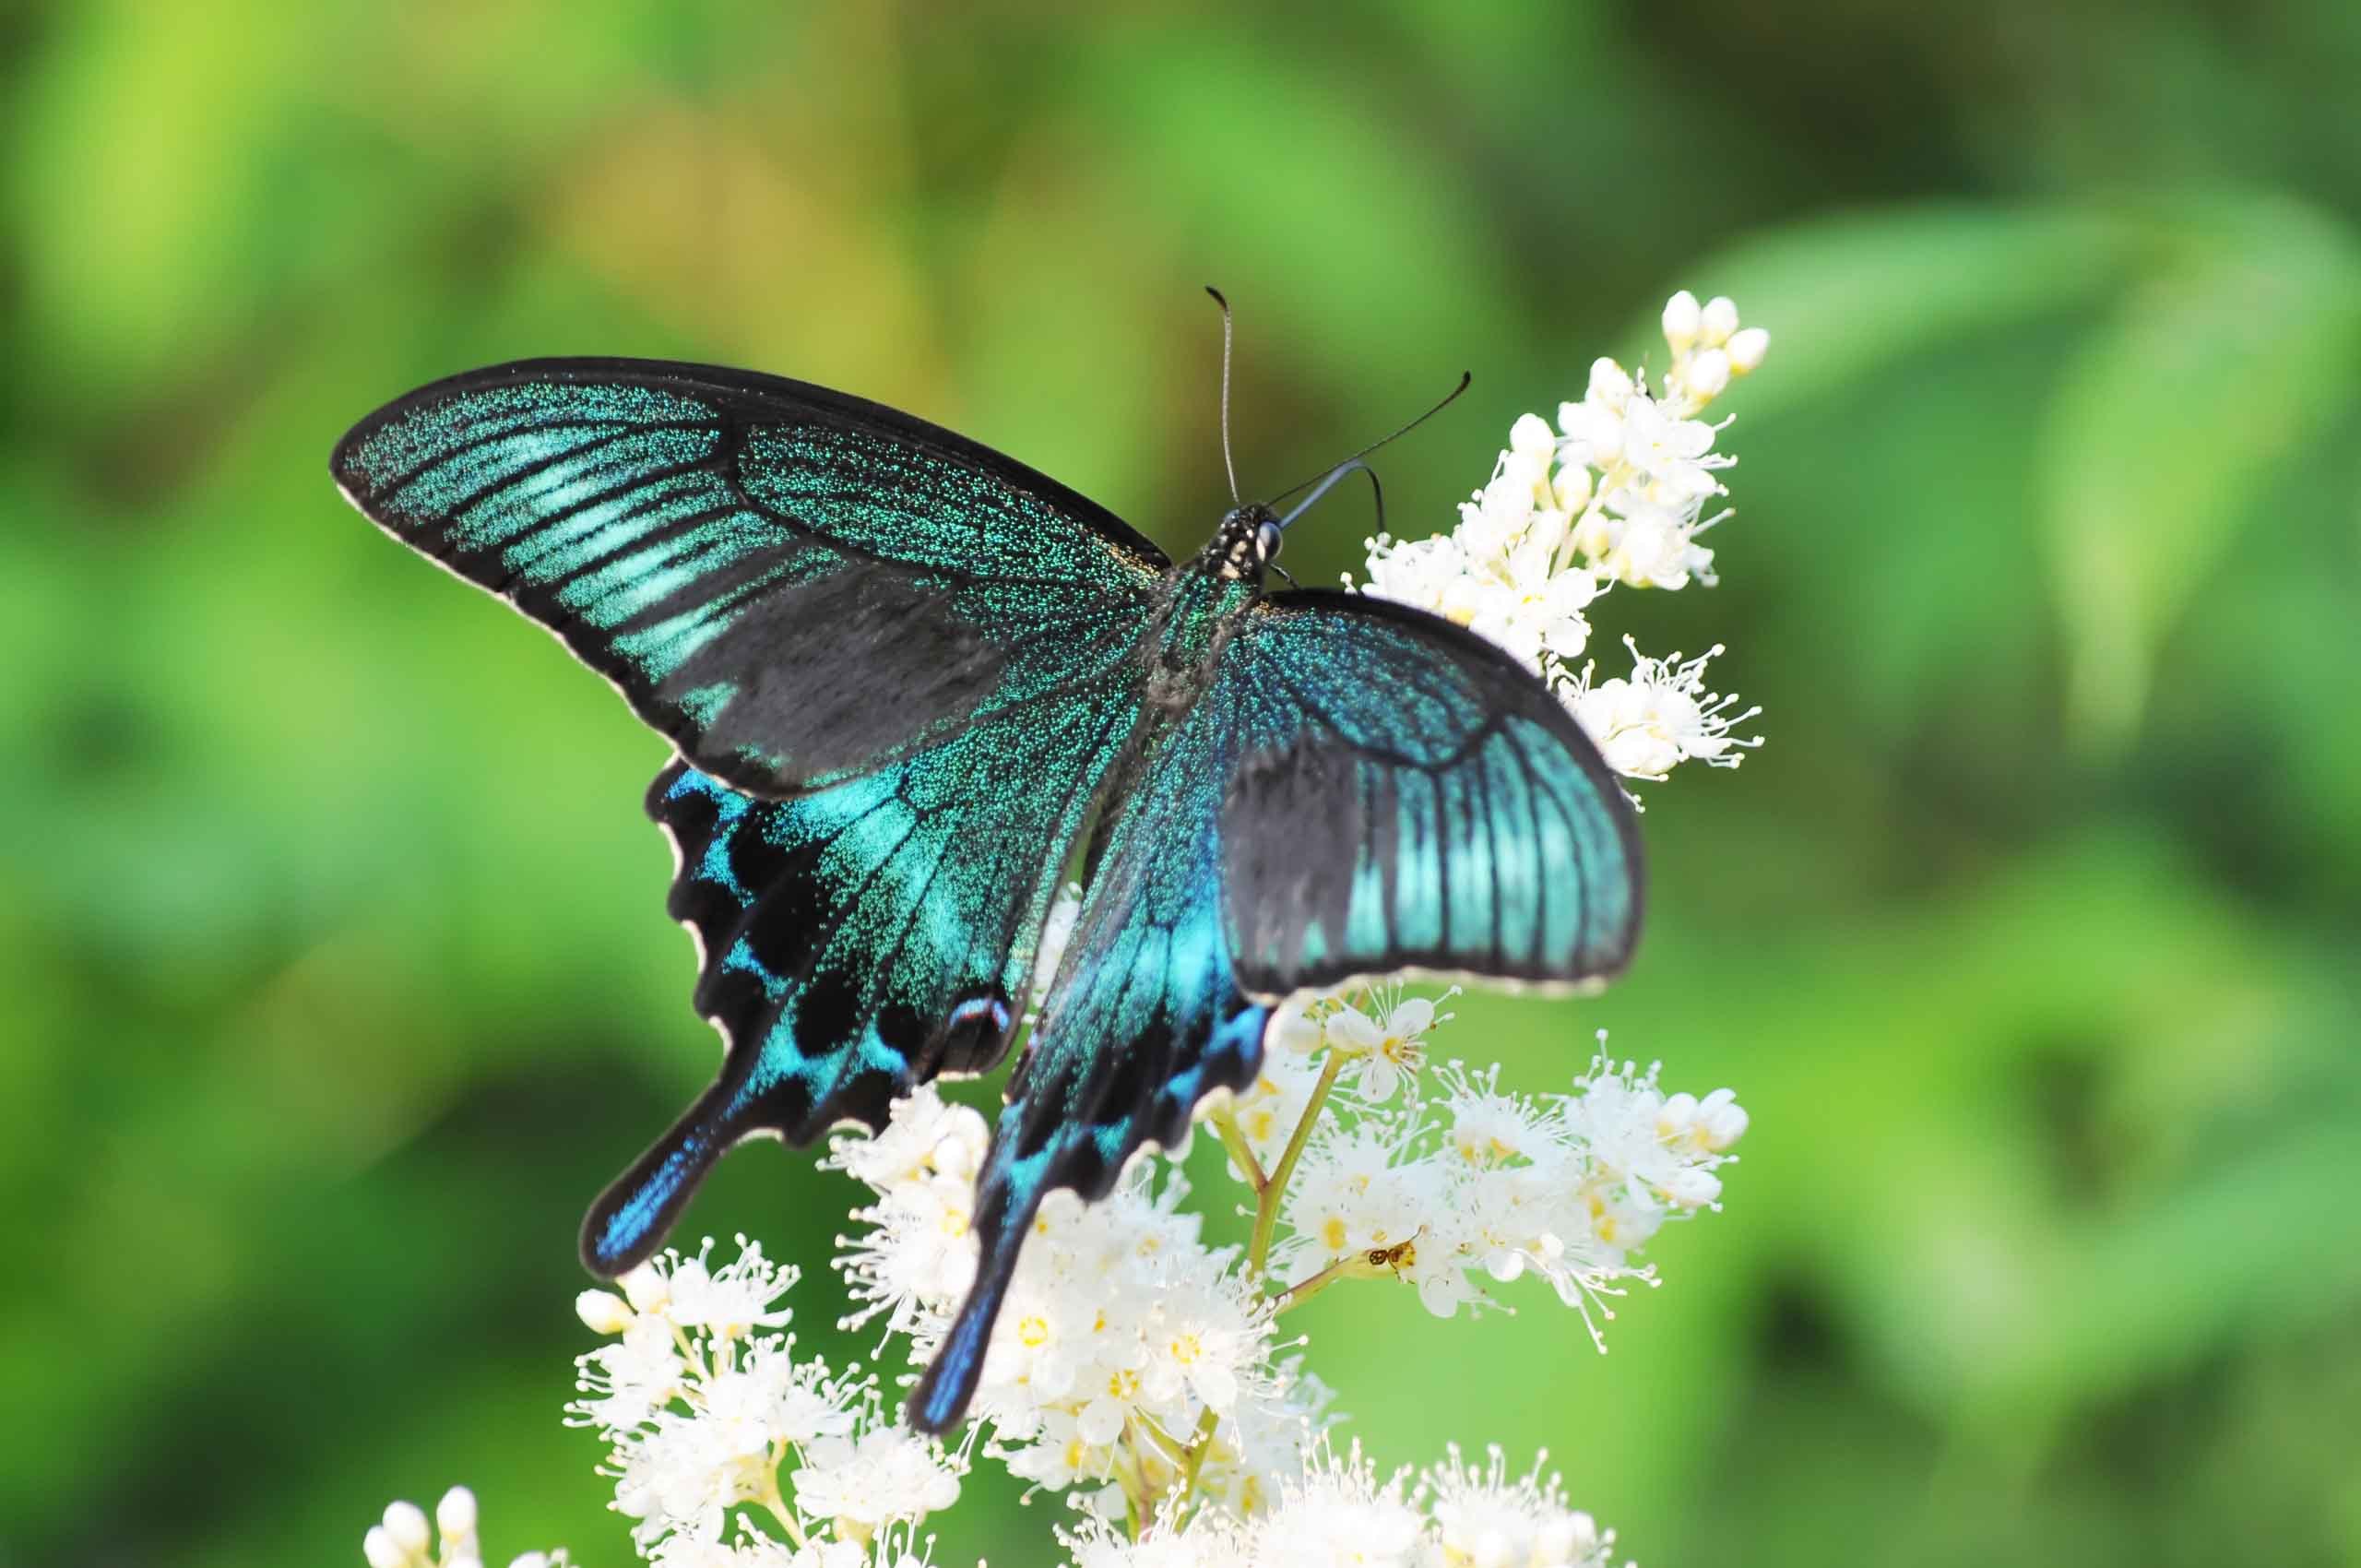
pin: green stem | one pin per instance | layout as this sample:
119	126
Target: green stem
1241	1153
1163	1442
777	1504
1304	1289
1267	1208
1200	1441
1135	1484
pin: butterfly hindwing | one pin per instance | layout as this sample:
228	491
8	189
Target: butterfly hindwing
791	585
1143	1018
860	939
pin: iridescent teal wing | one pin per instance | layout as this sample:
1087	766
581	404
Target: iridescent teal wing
1362	789
861	938
791	585
1143	1018
895	665
1406	796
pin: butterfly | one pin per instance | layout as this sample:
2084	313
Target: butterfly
909	680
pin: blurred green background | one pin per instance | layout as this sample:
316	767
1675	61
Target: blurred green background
337	973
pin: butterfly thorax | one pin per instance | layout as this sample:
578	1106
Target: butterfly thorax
1204	600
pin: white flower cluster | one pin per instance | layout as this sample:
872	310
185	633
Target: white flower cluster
405	1540
1128	1352
1459	1184
1340	1512
1616	495
703	1405
1136	1369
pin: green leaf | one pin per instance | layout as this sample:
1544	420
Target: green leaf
2226	363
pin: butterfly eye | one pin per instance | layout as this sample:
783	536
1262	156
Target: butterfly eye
1266	541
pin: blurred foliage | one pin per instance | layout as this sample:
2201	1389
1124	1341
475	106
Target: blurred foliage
337	972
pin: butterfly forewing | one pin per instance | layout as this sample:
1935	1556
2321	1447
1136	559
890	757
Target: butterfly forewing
791	585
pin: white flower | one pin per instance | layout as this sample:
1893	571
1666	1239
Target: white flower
1711	1124
1483	1519
884	1474
1390	1048
1487	1126
1430	574
1339	1515
1647	544
1211	1335
733	1301
1660	716
926	1135
1528	607
700	1411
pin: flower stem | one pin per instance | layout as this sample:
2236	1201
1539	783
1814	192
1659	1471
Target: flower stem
1241	1153
1163	1442
1200	1441
1267	1208
1128	1475
1304	1289
777	1504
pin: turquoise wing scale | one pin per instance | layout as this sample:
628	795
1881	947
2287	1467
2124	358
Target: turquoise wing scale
791	585
894	665
1362	789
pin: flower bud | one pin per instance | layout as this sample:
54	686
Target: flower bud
1572	487
646	1290
1610	383
1297	1031
455	1516
1682	318
379	1550
603	1311
405	1526
1746	349
1692	1187
1720	1120
1530	438
1717	321
1707	374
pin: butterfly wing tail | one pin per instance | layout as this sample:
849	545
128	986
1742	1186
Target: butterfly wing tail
632	1217
1008	1195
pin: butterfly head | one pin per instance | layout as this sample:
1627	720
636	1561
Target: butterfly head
1247	542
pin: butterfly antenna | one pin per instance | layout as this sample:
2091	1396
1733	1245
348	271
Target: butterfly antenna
1228	467
1329	482
1466	378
